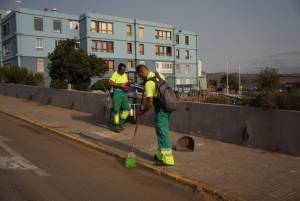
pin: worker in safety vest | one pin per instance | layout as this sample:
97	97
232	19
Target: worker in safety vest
162	118
119	81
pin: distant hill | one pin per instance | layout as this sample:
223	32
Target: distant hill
248	80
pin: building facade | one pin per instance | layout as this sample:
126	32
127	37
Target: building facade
27	36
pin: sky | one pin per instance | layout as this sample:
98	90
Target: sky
254	34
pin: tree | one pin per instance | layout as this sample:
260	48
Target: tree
232	82
268	79
15	74
212	83
74	66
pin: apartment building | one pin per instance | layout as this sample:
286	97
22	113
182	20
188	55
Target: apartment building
27	36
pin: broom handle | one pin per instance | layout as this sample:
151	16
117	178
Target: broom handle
104	88
136	125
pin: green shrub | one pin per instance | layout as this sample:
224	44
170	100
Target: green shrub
15	74
57	84
274	100
98	86
217	100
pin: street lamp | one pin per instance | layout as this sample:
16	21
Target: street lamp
239	80
227	79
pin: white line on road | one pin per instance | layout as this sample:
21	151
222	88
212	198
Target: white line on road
18	162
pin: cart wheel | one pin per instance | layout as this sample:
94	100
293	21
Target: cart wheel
133	119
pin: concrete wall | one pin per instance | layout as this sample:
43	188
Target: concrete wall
83	101
273	130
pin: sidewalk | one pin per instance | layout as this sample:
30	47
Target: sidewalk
228	171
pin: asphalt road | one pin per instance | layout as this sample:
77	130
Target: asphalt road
37	165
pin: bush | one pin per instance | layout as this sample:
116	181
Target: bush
99	85
274	100
17	75
217	100
57	84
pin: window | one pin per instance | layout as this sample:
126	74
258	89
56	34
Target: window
7	64
129	48
177	54
187	81
40	65
141	32
164	67
6	48
39	44
110	65
187	69
177	81
186	40
56	26
56	43
163	51
142	49
102	46
162	34
129	63
129	30
177	69
5	29
38	24
102	27
187	54
74	24
177	39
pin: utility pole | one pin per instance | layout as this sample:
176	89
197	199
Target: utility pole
227	79
239	80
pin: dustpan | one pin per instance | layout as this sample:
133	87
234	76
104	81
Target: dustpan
185	143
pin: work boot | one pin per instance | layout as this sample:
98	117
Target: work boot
117	130
155	157
121	127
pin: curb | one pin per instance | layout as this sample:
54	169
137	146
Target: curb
195	185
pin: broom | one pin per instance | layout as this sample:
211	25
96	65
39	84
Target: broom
130	160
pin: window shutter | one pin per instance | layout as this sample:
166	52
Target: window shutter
40	65
110	47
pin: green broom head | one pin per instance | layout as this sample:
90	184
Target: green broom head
130	160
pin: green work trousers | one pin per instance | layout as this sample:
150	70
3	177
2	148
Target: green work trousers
120	102
164	148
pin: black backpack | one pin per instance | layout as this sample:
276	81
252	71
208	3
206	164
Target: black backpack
166	95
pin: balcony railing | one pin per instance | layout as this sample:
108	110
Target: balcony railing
163	54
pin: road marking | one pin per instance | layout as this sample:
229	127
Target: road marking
17	162
199	144
150	147
2	138
293	171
